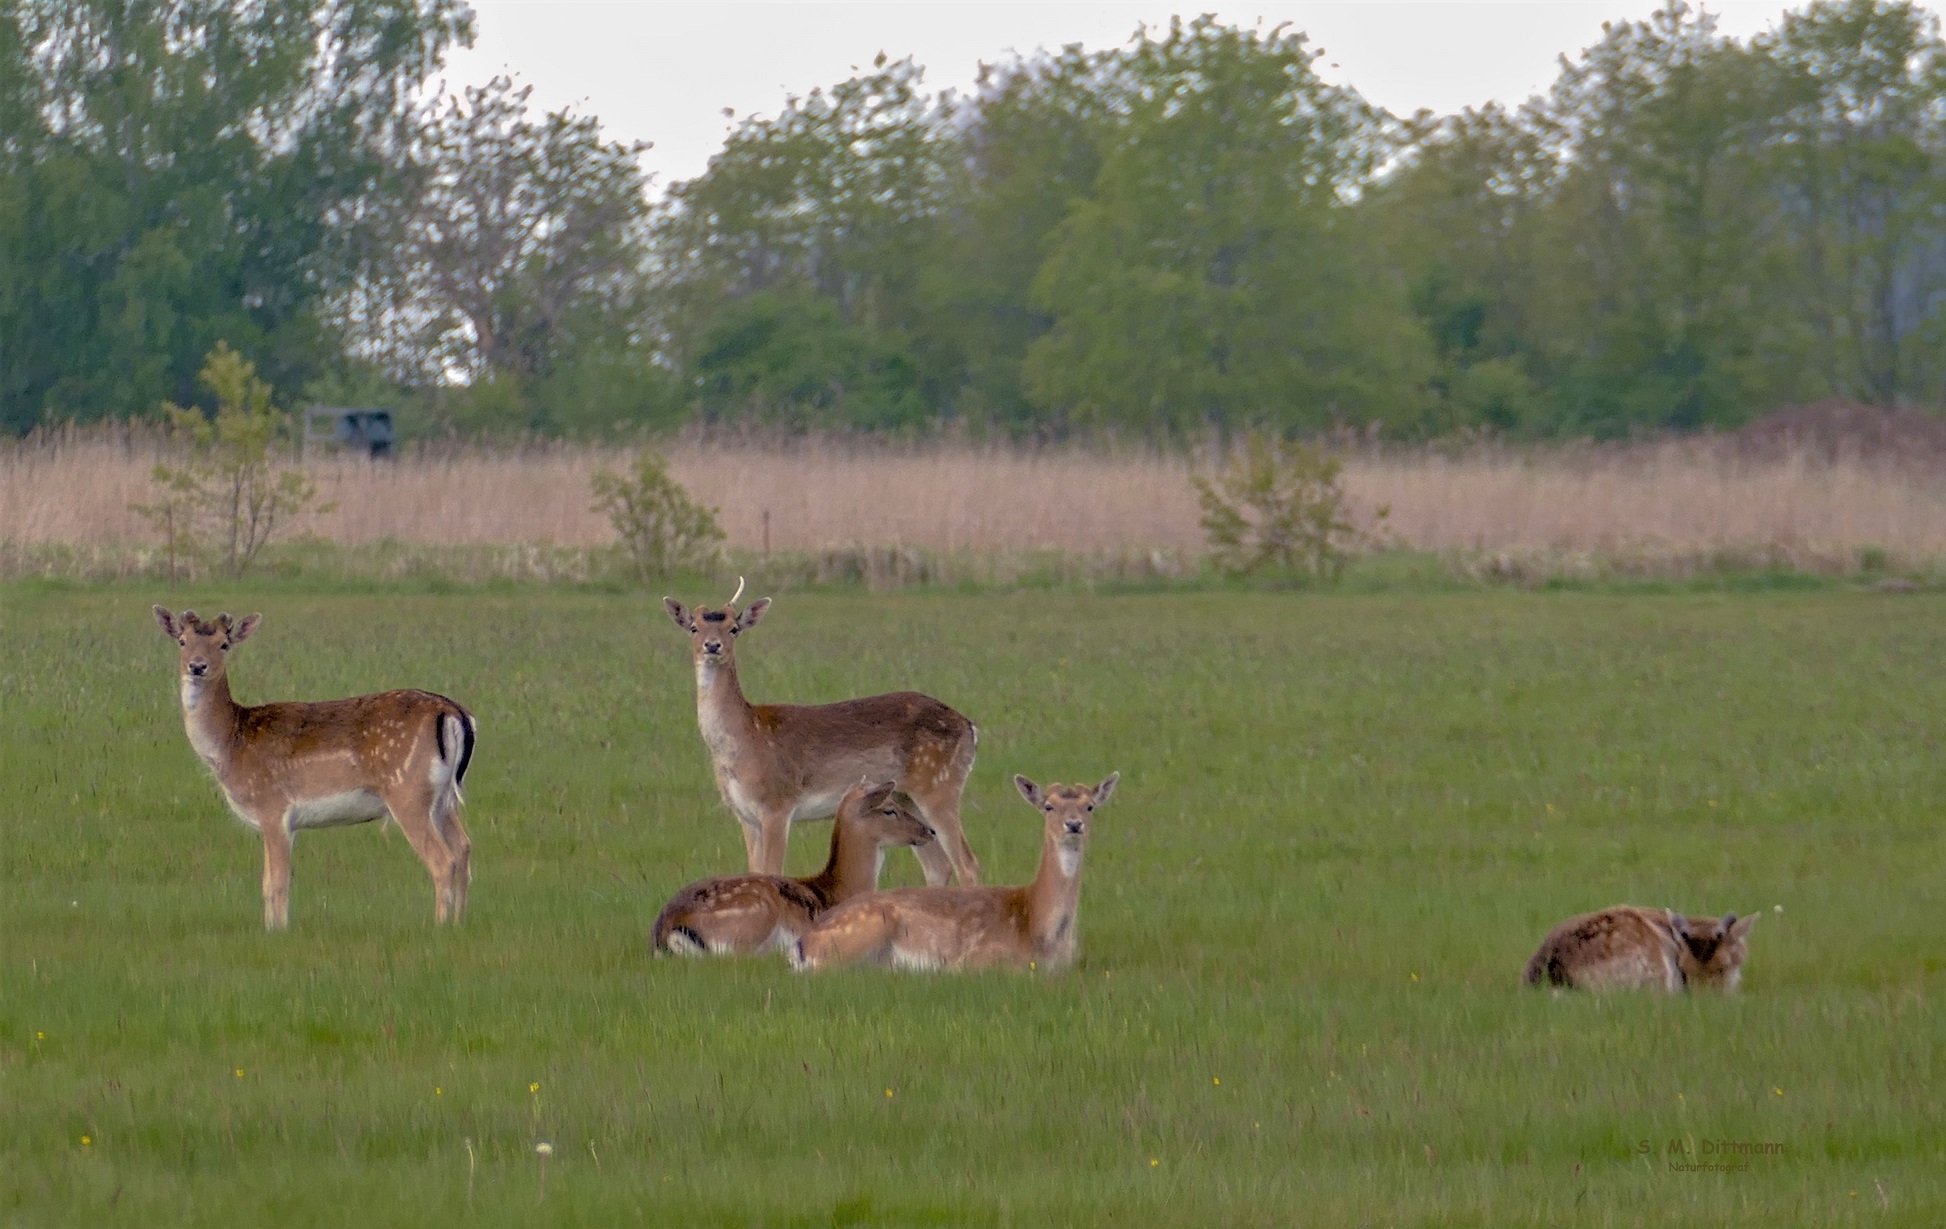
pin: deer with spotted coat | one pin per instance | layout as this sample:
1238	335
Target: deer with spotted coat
1032	926
285	768
779	763
747	914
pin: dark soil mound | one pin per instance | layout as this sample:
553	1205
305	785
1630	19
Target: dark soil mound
1829	430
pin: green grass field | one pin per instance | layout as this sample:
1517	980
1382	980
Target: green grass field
1343	825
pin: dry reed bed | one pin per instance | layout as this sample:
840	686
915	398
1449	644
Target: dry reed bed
1669	499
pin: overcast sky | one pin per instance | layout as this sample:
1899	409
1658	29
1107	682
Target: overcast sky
664	72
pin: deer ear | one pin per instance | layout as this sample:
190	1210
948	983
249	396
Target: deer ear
243	629
1033	793
748	619
168	622
1106	788
680	613
875	795
1735	927
1678	923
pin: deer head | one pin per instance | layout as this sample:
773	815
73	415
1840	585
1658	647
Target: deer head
205	646
1068	808
887	814
1713	949
713	632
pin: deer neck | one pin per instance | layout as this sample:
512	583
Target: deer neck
209	716
1055	894
721	711
853	867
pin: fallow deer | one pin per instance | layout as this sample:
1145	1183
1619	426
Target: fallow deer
972	927
284	768
1626	947
777	763
747	914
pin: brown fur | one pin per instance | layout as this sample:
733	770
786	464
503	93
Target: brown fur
745	914
1630	947
1033	925
289	766
777	763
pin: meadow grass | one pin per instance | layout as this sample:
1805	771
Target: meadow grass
1344	823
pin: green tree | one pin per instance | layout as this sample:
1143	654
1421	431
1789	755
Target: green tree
513	256
179	171
1211	276
1460	217
836	199
1859	160
1029	144
1658	223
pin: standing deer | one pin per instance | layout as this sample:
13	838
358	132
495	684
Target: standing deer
747	914
776	763
971	928
287	767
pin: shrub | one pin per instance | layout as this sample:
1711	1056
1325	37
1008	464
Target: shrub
663	529
230	496
1278	503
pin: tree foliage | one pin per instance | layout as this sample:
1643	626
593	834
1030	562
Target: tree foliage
1210	276
1189	233
174	172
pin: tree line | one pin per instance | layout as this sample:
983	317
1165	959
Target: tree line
1190	232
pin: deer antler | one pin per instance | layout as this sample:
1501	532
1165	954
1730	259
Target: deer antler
738	593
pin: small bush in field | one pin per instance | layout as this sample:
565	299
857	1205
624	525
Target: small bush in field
1279	503
230	495
663	529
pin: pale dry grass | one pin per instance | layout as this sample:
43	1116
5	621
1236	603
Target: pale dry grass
1674	498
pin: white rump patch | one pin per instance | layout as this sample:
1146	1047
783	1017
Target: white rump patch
355	806
782	940
680	944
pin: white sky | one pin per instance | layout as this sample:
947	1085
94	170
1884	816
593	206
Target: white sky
663	72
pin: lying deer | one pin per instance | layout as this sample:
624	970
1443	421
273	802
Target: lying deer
287	767
777	763
1627	947
972	927
743	915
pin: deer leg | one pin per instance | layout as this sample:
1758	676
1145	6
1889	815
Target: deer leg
453	832
934	860
949	853
277	869
412	810
773	840
751	829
